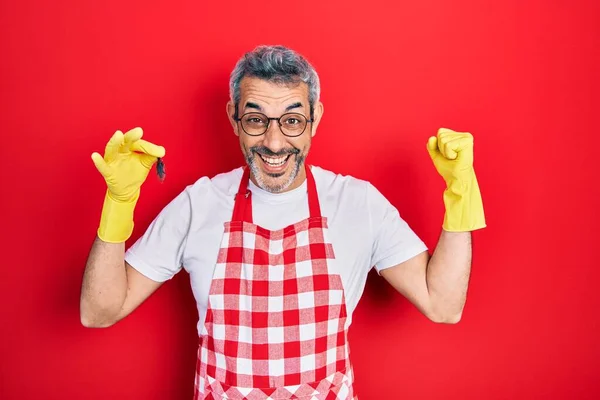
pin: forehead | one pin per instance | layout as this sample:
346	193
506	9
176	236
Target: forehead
252	88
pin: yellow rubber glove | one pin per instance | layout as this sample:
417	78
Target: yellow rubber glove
125	166
452	155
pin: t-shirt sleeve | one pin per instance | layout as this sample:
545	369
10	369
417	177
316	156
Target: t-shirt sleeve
158	253
394	240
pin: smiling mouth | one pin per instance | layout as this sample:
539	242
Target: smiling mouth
274	161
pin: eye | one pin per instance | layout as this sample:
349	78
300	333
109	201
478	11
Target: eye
292	121
254	120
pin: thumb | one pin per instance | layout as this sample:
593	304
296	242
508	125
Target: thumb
100	164
143	146
147	160
432	146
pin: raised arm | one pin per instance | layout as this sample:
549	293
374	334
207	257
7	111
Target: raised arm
111	288
437	285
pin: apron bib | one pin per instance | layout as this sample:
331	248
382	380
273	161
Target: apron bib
275	321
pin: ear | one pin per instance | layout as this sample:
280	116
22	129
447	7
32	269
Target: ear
230	114
317	117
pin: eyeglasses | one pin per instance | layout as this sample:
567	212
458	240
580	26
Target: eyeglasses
290	124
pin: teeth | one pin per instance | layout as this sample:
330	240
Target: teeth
275	162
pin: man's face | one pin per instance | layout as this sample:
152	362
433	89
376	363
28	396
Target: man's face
276	161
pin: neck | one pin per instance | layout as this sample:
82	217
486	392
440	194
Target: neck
296	183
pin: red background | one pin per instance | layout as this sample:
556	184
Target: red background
522	76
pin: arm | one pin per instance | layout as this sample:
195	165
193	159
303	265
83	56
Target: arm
437	285
111	288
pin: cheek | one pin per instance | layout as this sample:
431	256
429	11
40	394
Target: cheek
304	145
246	142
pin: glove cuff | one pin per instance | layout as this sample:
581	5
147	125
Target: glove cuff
464	206
116	221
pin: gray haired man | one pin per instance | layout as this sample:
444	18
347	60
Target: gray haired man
278	251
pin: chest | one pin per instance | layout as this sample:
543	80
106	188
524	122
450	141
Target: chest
348	235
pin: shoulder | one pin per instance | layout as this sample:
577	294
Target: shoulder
223	185
343	190
329	182
348	189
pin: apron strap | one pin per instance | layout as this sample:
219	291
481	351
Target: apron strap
313	199
242	209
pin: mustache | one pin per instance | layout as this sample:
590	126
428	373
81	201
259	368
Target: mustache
265	151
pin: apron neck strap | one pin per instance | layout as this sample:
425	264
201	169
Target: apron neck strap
242	210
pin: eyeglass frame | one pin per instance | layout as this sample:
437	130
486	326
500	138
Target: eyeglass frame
269	119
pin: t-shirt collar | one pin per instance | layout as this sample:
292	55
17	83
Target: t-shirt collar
277	198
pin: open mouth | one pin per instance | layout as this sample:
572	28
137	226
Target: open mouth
274	164
275	161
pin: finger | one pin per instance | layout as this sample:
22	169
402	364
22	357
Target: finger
462	144
146	147
448	148
445	131
456	145
132	136
113	145
450	153
432	146
445	137
100	164
147	160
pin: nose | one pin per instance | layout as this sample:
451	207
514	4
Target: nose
274	139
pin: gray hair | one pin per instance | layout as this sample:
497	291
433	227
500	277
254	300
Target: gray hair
276	64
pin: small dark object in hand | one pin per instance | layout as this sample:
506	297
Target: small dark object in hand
160	169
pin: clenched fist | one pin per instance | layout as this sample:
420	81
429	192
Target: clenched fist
452	156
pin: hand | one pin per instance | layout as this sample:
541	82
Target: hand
125	166
126	163
452	156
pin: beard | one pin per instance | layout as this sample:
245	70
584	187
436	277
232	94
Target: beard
274	182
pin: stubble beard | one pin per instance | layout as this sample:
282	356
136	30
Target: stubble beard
263	181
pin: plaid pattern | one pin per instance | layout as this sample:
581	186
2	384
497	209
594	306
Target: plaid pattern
336	386
275	323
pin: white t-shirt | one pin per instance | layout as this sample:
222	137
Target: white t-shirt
365	229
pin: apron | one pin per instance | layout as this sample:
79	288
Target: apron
275	320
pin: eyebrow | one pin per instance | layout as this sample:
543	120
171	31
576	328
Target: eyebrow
249	104
292	106
259	108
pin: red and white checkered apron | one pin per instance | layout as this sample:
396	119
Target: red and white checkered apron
275	321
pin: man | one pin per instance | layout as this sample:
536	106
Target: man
278	251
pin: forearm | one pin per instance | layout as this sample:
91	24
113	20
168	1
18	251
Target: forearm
448	274
104	286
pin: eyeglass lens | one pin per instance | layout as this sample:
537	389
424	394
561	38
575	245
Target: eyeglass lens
291	124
